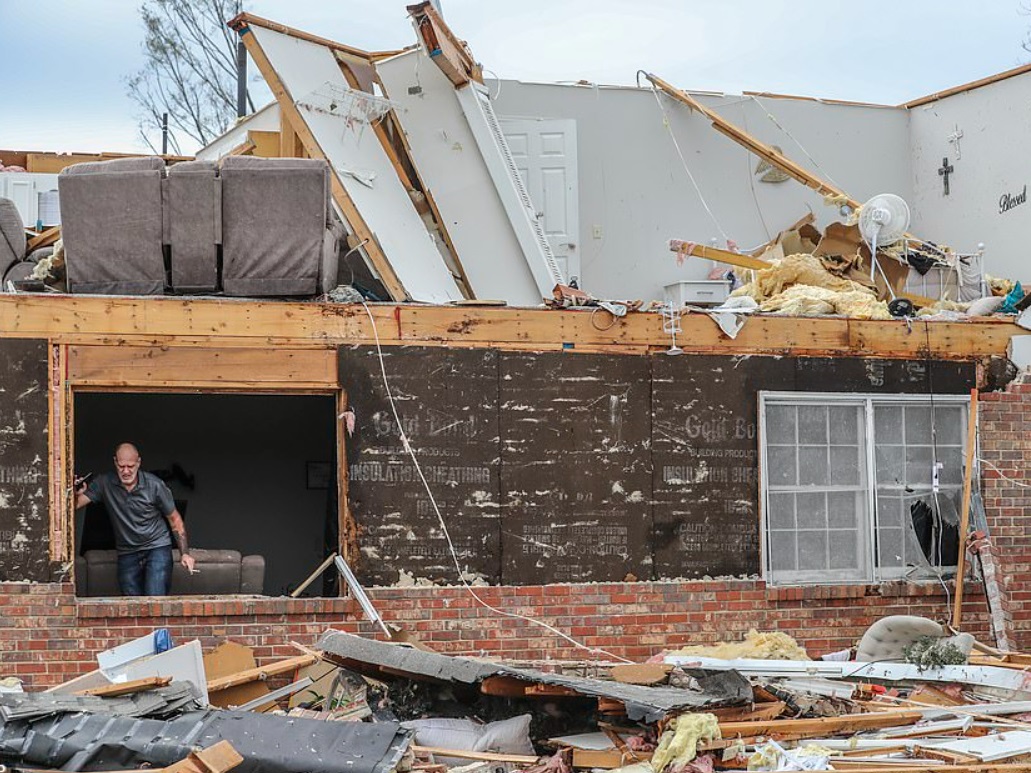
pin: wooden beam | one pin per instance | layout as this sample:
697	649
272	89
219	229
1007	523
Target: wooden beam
218	758
920	101
127	688
266	144
53	163
196	366
761	149
176	323
261	673
44	239
964	513
243	20
449	53
801	728
462	754
355	222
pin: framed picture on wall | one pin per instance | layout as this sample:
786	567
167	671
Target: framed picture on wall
318	474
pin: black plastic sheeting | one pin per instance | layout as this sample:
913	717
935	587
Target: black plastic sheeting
647	703
268	743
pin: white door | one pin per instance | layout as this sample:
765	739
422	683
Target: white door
545	154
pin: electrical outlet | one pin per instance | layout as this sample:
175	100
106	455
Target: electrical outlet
597	232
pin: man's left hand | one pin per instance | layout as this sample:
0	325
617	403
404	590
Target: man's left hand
188	562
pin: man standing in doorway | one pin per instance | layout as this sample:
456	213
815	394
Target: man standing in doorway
138	504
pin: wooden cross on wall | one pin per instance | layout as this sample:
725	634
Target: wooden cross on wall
944	172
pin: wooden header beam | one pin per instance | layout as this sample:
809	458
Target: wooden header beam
243	20
749	142
257	325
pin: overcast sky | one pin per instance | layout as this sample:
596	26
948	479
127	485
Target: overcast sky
64	63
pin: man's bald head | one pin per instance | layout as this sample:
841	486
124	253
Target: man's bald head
128	448
127	464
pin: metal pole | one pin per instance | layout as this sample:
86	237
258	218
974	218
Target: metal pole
241	79
164	134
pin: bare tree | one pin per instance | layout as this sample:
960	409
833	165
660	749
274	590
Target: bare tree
190	70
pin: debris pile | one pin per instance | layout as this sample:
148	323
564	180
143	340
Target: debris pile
356	704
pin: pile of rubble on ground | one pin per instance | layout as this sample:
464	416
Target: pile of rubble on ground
909	697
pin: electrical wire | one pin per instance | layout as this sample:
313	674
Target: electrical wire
1002	475
935	567
443	526
751	180
683	160
791	137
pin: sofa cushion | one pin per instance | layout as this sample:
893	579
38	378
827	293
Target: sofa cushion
194	220
274	216
12	235
112	226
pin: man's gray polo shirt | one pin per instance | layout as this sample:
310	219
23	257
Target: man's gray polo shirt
137	516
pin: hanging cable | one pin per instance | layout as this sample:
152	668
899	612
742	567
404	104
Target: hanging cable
1002	475
683	160
443	526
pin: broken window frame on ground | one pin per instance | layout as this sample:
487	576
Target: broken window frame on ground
872	490
199	370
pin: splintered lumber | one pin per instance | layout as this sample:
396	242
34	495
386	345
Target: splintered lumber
127	688
607	759
641	673
805	728
43	239
720	256
964	513
758	712
760	149
261	672
516	759
215	759
900	766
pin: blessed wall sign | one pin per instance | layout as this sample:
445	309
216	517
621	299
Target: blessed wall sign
1010	200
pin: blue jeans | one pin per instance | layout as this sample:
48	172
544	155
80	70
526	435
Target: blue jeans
145	572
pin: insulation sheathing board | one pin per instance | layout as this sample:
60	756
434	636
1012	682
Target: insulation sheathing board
452	166
24	492
314	81
448	403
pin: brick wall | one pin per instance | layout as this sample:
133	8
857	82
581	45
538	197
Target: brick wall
1005	433
48	636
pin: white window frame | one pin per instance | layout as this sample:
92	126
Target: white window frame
869	399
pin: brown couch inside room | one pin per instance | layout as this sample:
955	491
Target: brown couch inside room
219	572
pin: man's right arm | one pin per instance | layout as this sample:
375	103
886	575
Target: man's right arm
81	498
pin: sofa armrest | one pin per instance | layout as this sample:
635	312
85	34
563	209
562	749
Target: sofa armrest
252	575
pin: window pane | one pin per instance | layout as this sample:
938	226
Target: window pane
887	423
918	424
889	512
783	468
812	550
813	470
782	511
812	424
890	460
782	551
843	508
918	465
812	510
780	424
845	465
952	459
889	547
948	424
844	550
844	427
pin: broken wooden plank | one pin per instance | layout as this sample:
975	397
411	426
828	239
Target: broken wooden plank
517	759
43	239
641	673
127	688
800	728
261	672
218	758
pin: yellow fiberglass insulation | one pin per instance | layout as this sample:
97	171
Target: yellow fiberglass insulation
679	743
805	300
768	645
800	269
